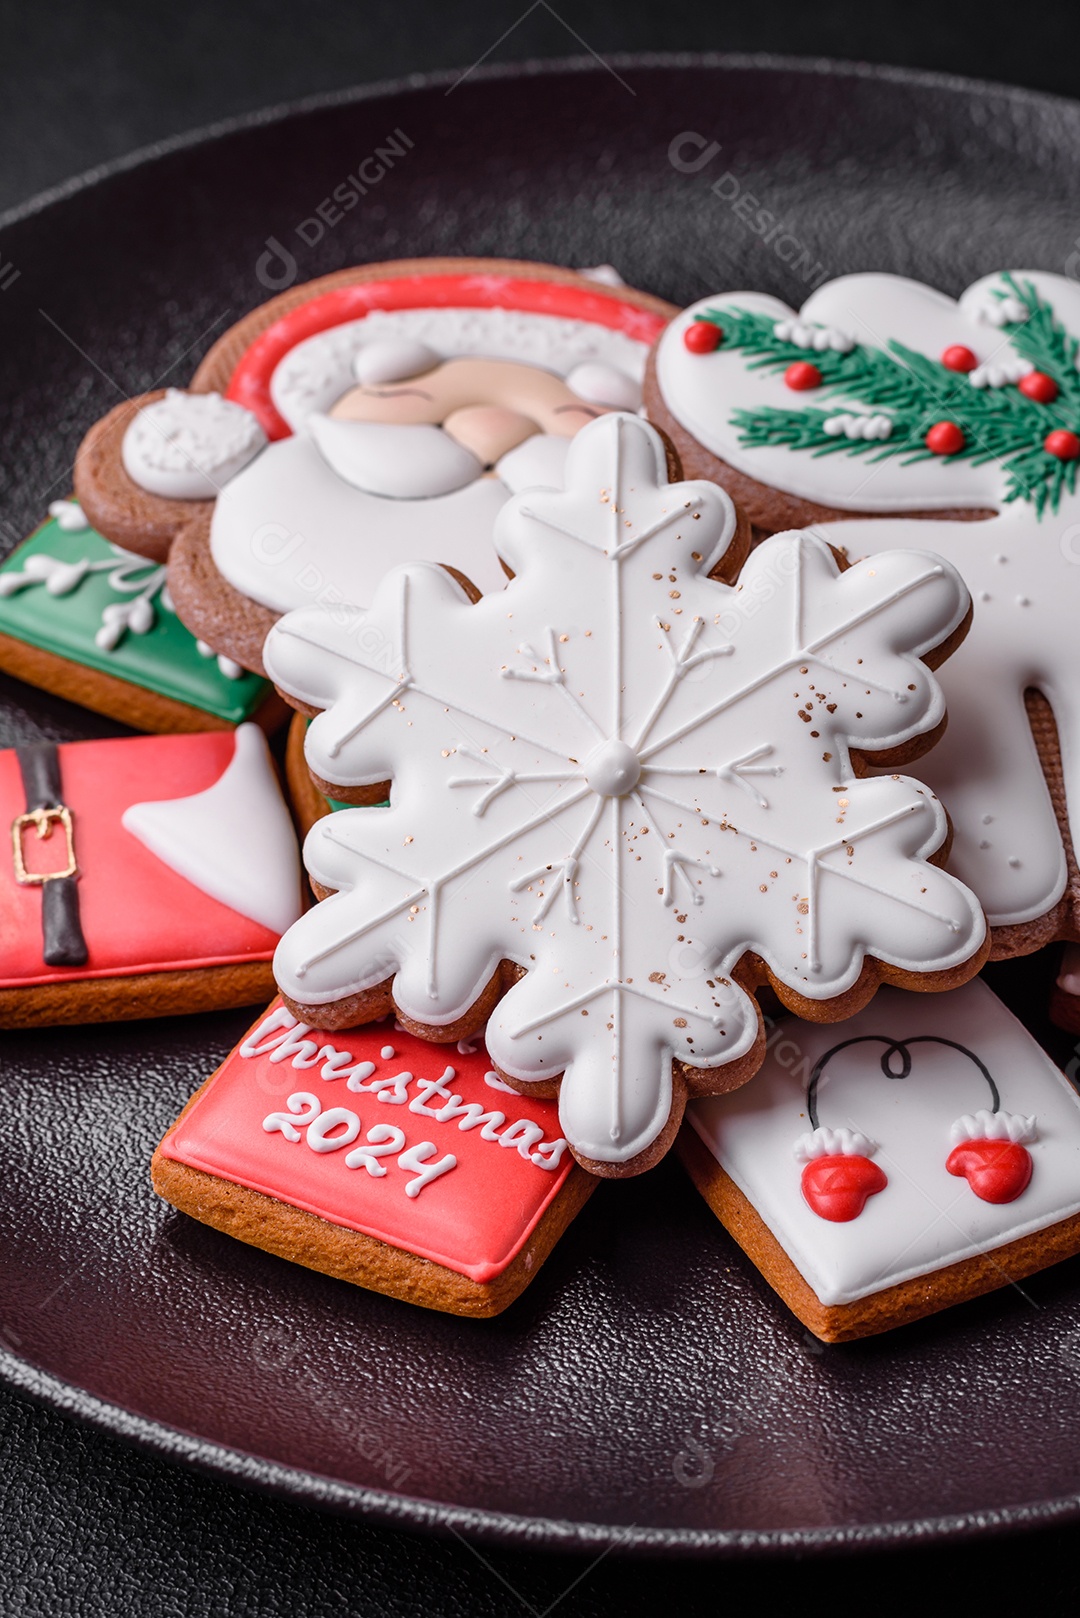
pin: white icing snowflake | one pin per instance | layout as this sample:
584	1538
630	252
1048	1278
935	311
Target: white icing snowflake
625	777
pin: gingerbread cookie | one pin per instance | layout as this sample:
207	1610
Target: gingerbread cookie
884	397
147	875
625	793
923	1154
96	624
382	414
401	1166
309	804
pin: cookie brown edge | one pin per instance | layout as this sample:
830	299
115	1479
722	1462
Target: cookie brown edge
121	699
882	1311
309	804
318	1244
209	606
147	994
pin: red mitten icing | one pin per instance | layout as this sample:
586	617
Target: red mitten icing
837	1187
838	1176
996	1170
990	1154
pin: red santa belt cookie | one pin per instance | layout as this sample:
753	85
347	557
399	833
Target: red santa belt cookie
401	1166
883	397
626	791
146	876
383	412
926	1152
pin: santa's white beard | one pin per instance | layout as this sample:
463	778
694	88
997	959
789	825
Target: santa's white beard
288	531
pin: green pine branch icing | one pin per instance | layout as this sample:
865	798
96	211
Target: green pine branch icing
915	391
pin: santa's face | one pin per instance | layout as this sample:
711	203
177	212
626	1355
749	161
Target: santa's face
412	461
489	407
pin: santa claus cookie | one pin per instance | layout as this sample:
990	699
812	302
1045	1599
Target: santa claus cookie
884	397
625	792
923	1154
146	876
91	622
383	414
401	1166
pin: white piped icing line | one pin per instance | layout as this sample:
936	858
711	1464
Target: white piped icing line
614	745
987	1125
850	425
998	373
186	446
825	1142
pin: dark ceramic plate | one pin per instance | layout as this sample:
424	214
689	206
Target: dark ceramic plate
648	1391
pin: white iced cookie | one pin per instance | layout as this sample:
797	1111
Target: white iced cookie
622	775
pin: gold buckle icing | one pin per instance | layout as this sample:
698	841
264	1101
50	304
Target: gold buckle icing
43	820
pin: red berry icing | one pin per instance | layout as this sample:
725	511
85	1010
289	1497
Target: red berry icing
945	438
996	1170
702	336
1063	444
959	358
836	1186
802	376
1038	386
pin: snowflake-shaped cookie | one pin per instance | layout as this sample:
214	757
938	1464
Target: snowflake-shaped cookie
627	778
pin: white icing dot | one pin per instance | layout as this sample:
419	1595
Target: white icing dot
1023	601
613	769
388	1053
1013	861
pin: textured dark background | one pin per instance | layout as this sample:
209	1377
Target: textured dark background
83	81
88	1526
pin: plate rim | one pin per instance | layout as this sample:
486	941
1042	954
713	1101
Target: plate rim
383	1506
530	67
512	1530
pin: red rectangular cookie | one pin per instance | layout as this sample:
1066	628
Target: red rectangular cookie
146	875
382	1159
